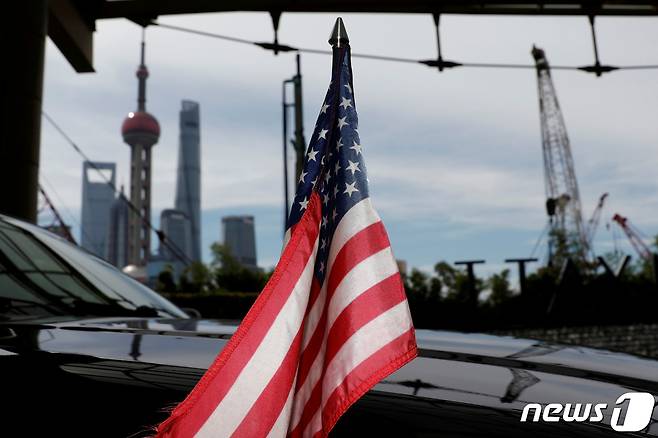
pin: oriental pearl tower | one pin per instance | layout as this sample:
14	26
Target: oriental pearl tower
140	131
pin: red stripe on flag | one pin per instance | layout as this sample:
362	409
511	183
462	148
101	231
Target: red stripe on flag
313	346
362	310
366	375
366	307
311	407
188	417
359	247
312	349
270	403
362	245
265	411
315	292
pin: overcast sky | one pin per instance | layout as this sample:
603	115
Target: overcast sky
454	158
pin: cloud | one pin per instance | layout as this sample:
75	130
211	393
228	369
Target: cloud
454	158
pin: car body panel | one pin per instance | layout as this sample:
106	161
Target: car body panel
462	384
85	351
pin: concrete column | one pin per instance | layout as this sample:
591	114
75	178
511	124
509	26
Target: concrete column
522	277
472	286
24	32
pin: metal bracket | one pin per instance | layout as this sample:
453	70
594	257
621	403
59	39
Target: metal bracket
275	46
439	63
597	68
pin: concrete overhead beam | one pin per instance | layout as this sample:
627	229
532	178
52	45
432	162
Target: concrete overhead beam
72	34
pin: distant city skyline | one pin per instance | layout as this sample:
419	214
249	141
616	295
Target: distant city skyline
454	158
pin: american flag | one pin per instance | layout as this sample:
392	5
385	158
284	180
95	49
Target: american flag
332	321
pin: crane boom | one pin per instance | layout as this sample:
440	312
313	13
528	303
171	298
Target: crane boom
568	234
58	217
634	237
593	222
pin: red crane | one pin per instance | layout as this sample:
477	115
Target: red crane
634	236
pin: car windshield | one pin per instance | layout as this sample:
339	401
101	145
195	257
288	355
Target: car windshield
44	276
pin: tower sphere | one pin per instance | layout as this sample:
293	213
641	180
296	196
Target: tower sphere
140	126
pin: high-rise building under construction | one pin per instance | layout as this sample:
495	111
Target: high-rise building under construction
188	183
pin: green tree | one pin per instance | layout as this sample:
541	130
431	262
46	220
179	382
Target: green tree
165	281
446	277
230	275
195	278
500	288
417	284
456	283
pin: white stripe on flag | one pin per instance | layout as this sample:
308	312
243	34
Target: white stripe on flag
266	360
314	315
359	347
314	425
363	344
362	277
280	427
360	216
304	392
356	219
286	239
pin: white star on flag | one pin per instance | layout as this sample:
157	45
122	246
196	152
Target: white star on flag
346	103
350	188
354	167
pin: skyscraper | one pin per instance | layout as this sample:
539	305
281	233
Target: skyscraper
117	235
178	233
239	237
97	198
188	184
140	131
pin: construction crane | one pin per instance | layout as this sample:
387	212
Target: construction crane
58	222
635	237
567	238
593	222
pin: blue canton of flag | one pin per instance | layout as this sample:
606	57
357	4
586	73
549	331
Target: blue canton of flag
334	162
